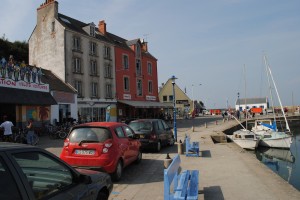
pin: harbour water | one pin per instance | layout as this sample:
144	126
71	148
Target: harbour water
286	163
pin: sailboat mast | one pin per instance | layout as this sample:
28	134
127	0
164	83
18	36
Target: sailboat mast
246	97
270	88
270	72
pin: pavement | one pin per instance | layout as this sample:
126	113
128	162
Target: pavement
226	170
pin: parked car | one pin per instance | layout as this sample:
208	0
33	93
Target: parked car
28	172
153	133
104	146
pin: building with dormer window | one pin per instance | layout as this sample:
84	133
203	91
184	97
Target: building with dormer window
80	55
105	69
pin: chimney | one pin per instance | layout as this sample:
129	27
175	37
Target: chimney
49	8
145	46
102	27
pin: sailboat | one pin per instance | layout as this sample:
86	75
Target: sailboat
244	137
268	132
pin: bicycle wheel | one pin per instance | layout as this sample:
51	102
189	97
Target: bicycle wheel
62	134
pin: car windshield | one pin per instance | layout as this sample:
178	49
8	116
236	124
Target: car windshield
141	126
89	134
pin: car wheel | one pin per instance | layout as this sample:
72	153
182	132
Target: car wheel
116	176
102	196
158	146
139	157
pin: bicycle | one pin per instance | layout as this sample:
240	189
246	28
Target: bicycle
21	137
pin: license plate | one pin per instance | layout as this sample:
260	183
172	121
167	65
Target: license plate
84	152
142	136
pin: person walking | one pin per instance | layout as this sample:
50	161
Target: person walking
30	132
7	136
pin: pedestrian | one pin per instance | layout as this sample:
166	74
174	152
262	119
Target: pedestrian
30	132
7	136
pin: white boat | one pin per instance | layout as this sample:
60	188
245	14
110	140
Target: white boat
267	130
244	138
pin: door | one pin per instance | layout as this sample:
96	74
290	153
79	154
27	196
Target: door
133	143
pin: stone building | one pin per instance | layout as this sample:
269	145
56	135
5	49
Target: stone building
80	55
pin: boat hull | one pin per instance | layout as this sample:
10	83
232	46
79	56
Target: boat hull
280	142
245	139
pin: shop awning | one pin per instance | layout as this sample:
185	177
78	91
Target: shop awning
144	104
25	97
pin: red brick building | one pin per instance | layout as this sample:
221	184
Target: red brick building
136	78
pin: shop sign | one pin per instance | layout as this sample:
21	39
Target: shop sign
127	96
150	98
9	83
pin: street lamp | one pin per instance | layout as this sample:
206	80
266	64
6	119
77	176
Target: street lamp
239	100
174	107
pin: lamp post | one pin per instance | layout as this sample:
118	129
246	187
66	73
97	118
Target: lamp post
239	100
174	107
239	105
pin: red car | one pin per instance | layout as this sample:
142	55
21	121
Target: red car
104	146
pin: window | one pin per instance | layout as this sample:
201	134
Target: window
138	68
76	43
94	89
138	51
139	87
108	91
78	87
166	126
171	98
119	132
150	87
45	174
108	71
92	31
93	48
128	131
93	64
77	65
106	52
125	62
126	83
9	188
53	26
165	98
160	125
149	68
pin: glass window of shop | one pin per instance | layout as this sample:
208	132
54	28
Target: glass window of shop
92	114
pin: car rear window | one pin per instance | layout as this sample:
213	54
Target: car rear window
97	134
141	126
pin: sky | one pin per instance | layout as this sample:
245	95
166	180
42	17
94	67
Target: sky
214	47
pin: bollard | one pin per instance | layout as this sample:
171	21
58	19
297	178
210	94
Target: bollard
167	161
205	125
180	147
193	129
217	122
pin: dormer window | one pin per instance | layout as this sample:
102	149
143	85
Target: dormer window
92	30
138	50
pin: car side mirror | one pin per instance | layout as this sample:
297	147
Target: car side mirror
85	179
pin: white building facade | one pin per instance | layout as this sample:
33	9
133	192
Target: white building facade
80	56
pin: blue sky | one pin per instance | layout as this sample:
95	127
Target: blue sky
200	42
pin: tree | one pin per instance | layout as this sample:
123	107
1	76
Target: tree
19	50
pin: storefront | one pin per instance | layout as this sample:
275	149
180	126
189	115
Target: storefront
129	110
21	100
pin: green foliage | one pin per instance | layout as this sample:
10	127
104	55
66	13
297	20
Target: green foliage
18	49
